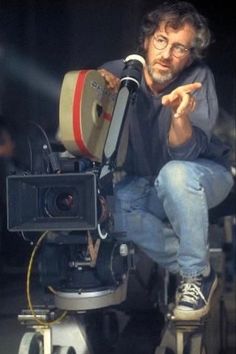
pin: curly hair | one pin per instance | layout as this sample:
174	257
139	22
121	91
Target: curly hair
175	15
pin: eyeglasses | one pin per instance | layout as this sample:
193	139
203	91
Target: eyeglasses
178	50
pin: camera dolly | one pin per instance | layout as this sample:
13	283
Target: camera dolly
85	294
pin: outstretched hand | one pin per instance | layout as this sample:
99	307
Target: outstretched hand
181	100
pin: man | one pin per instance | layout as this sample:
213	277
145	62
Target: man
175	169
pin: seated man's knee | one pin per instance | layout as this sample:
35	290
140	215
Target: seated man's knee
175	174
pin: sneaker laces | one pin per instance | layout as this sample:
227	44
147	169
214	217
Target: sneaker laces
190	290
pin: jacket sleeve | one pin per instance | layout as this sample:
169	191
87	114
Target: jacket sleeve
203	120
115	67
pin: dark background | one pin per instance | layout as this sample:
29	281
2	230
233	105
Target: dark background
41	40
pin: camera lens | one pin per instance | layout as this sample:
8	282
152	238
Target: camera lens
64	201
61	202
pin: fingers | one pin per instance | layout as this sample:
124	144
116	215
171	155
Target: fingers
181	99
112	81
190	87
180	92
187	105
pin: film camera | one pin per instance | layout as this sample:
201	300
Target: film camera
81	256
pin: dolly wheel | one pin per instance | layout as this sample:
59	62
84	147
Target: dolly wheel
31	343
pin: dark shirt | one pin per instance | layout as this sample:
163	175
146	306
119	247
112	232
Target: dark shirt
149	123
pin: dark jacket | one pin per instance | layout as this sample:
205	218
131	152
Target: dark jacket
148	148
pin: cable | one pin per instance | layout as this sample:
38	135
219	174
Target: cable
60	318
30	154
44	134
24	237
52	157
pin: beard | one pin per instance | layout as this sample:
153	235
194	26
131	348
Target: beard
159	77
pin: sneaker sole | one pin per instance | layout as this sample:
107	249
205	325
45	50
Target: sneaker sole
192	315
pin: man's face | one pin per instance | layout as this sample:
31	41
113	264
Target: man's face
168	53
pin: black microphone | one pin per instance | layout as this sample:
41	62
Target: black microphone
132	73
129	83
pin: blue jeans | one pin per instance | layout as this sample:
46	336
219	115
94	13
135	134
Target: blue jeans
168	219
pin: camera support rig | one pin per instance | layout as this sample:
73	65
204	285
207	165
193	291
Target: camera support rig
81	260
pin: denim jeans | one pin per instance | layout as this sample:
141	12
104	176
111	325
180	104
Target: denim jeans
168	219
